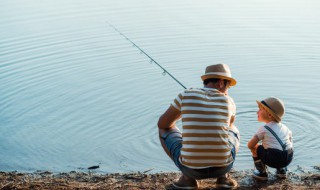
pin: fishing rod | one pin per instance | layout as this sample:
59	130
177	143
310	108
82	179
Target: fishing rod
142	51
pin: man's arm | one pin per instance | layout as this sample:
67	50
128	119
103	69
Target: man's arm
166	122
169	118
233	118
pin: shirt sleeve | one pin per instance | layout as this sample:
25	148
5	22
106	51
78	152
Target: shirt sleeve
177	102
261	133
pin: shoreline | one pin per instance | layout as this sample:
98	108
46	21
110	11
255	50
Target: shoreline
143	180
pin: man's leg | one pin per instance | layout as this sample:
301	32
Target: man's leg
171	140
225	180
163	132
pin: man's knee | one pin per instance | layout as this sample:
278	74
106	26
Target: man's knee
162	132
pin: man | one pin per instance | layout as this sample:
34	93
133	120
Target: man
207	146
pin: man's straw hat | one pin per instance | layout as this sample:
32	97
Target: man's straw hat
220	71
274	106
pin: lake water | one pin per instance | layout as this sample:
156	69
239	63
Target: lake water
74	93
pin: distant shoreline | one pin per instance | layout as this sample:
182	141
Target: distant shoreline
143	180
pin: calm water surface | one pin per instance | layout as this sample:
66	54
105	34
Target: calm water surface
74	93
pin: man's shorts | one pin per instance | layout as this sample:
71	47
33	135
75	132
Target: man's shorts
173	142
275	158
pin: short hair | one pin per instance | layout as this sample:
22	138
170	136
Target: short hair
214	80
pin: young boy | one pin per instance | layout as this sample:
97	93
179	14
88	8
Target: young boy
276	149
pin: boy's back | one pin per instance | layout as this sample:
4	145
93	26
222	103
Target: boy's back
270	141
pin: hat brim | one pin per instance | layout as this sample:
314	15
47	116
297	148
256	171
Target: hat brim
233	81
269	111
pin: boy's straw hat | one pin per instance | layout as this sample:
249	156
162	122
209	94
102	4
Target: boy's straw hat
220	71
274	106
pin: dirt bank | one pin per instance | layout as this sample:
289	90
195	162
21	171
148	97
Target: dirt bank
143	180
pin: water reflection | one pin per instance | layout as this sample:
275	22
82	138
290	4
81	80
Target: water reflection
74	93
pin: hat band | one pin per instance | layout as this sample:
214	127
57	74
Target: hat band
219	73
264	103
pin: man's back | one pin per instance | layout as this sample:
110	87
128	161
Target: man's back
206	114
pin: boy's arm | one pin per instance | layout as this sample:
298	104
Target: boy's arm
253	145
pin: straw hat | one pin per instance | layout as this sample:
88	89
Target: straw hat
220	71
274	106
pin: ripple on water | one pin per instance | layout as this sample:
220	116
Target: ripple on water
76	93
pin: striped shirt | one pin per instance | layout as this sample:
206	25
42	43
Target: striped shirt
206	115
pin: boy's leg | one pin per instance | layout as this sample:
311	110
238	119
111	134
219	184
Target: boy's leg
260	172
281	173
278	159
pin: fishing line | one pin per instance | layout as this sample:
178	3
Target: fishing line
142	51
